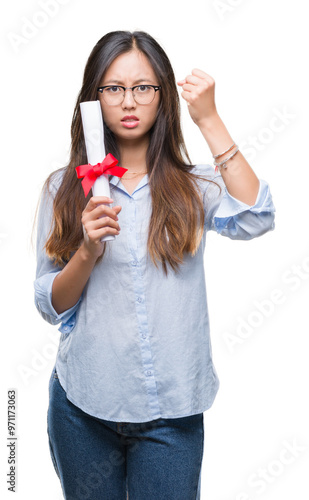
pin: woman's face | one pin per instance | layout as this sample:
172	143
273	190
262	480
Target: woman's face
130	121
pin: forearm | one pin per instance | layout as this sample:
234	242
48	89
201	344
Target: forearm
239	178
70	282
99	220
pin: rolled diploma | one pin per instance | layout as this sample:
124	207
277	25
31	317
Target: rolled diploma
94	139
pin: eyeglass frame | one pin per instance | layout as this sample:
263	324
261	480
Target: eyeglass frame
155	87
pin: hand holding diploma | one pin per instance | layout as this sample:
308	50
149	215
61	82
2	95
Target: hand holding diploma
95	173
100	222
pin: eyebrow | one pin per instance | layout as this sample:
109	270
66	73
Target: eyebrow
119	82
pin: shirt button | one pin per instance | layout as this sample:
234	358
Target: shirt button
139	300
134	263
144	336
148	373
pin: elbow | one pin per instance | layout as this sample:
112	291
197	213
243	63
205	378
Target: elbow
264	222
240	228
268	222
50	318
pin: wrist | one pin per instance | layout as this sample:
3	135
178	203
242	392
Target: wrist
86	255
216	135
210	123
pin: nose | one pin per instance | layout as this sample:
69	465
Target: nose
128	101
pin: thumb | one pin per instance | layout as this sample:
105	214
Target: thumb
117	209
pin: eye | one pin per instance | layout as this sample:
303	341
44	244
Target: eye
114	89
142	89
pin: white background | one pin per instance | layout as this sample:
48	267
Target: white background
258	290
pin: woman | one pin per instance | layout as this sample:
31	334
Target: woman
134	370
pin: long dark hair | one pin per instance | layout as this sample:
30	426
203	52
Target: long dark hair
177	219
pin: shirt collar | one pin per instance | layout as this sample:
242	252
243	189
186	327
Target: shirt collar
116	181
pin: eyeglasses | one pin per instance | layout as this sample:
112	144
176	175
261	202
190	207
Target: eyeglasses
114	94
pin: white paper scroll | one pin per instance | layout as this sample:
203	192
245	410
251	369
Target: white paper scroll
94	137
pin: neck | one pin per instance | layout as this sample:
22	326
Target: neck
133	154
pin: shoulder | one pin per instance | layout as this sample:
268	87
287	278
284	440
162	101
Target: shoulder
203	169
49	190
206	172
53	182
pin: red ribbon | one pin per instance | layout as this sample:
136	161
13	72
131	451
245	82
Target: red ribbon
90	173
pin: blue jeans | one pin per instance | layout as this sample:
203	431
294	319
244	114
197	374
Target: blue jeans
98	459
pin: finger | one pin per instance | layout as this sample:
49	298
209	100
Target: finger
94	225
188	87
117	209
195	76
107	231
197	82
201	74
198	72
190	79
186	96
104	211
97	200
194	80
95	235
101	199
100	211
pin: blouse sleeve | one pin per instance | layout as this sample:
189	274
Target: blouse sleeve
231	217
46	270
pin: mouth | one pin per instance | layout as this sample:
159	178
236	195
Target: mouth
130	121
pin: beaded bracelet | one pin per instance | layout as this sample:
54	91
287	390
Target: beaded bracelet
223	162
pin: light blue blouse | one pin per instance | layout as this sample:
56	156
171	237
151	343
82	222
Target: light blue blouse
136	346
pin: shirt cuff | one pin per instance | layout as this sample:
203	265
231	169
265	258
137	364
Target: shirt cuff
43	300
238	220
231	207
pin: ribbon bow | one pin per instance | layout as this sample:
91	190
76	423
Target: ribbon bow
90	173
